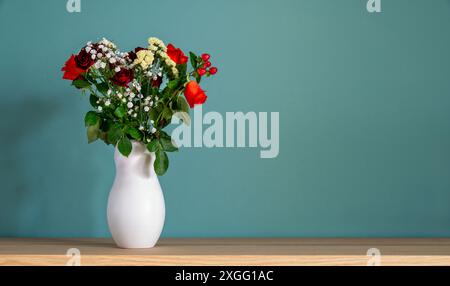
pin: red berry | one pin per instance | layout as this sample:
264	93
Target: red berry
213	70
207	64
201	71
206	57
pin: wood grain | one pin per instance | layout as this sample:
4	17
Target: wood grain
229	251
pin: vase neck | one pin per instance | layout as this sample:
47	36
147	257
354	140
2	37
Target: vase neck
138	164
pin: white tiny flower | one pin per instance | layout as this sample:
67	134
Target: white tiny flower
124	100
134	115
99	55
109	92
88	49
112	60
107	102
146	109
117	69
152	122
89	44
141	128
119	95
93	57
148	140
97	64
99	108
130	111
93	51
108	55
130	104
132	95
103	65
153	130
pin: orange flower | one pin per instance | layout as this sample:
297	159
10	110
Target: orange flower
194	94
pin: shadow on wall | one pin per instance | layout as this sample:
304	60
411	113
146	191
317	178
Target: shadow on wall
36	170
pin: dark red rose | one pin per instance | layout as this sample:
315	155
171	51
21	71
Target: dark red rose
123	77
132	54
157	82
84	60
71	69
176	55
194	94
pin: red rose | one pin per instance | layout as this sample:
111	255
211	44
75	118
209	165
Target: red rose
176	55
194	94
71	69
123	77
84	60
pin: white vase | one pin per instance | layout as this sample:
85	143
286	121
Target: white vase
136	209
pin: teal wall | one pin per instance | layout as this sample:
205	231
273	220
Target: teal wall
364	102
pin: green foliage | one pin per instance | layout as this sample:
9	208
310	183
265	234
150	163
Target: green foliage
102	87
134	133
93	100
161	162
91	118
120	111
167	145
92	133
124	146
81	83
114	134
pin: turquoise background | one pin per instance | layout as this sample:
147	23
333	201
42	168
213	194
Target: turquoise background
364	102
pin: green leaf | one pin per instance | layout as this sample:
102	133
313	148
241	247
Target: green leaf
168	145
120	112
136	134
193	59
102	87
198	78
92	133
161	163
182	70
114	134
167	113
173	83
154	146
80	83
93	100
91	118
154	112
125	146
182	104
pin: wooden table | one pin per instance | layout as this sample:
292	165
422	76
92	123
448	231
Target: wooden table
242	252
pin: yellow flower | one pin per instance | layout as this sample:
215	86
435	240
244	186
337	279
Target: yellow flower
144	58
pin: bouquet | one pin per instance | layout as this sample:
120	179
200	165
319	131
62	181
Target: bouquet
135	94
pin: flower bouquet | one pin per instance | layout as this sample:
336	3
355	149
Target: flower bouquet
134	96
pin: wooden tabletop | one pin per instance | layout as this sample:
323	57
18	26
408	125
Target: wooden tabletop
229	251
